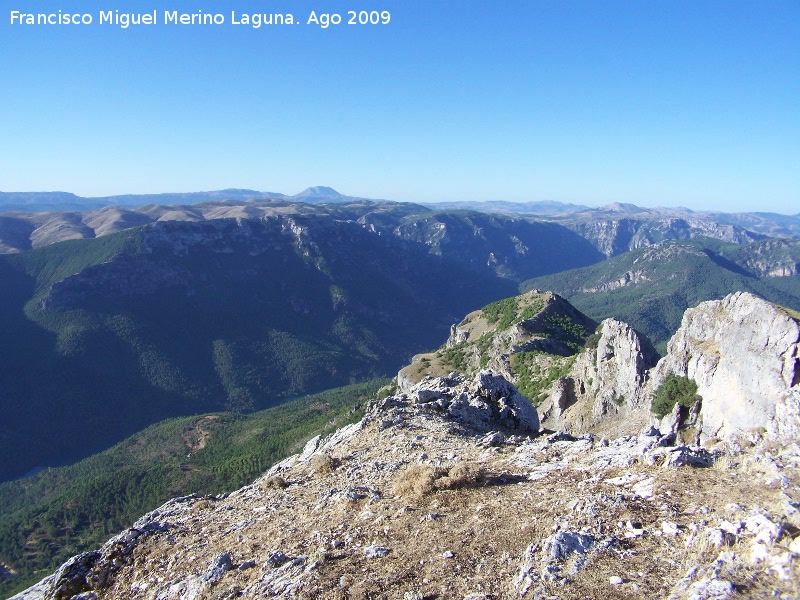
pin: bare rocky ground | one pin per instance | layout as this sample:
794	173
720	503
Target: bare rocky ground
442	493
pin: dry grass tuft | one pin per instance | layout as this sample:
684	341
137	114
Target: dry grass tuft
725	462
701	551
420	480
462	474
322	464
201	504
416	481
319	555
275	482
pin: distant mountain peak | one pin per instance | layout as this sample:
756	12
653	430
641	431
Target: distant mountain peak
623	207
318	191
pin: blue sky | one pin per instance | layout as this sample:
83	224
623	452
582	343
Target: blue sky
668	103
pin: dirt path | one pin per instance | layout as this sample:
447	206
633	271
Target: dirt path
196	437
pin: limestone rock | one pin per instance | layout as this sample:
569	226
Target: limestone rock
710	589
218	566
744	355
562	554
565	543
487	403
376	552
611	377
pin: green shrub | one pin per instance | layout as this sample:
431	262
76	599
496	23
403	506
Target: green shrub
455	357
502	312
322	464
532	379
593	340
387	390
675	389
533	309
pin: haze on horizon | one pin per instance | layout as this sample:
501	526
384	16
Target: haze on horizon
655	104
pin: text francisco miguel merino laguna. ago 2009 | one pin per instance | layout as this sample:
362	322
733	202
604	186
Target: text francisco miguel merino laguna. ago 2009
199	17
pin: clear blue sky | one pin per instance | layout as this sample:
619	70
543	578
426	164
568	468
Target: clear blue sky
689	103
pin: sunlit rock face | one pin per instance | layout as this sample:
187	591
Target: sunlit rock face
744	354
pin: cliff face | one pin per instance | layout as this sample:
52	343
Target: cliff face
741	351
743	354
515	248
618	235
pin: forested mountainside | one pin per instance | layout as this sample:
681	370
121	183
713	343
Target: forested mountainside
106	336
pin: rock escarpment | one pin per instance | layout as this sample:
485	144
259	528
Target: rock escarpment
744	355
613	236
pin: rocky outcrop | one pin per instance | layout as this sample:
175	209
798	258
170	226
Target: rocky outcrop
93	570
535	322
484	403
610	376
742	352
744	355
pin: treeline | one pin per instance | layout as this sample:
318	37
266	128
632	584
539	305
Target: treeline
60	512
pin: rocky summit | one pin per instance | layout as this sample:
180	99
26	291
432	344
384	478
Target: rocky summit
451	488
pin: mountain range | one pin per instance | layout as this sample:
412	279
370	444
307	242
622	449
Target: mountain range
118	318
65	201
34	219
